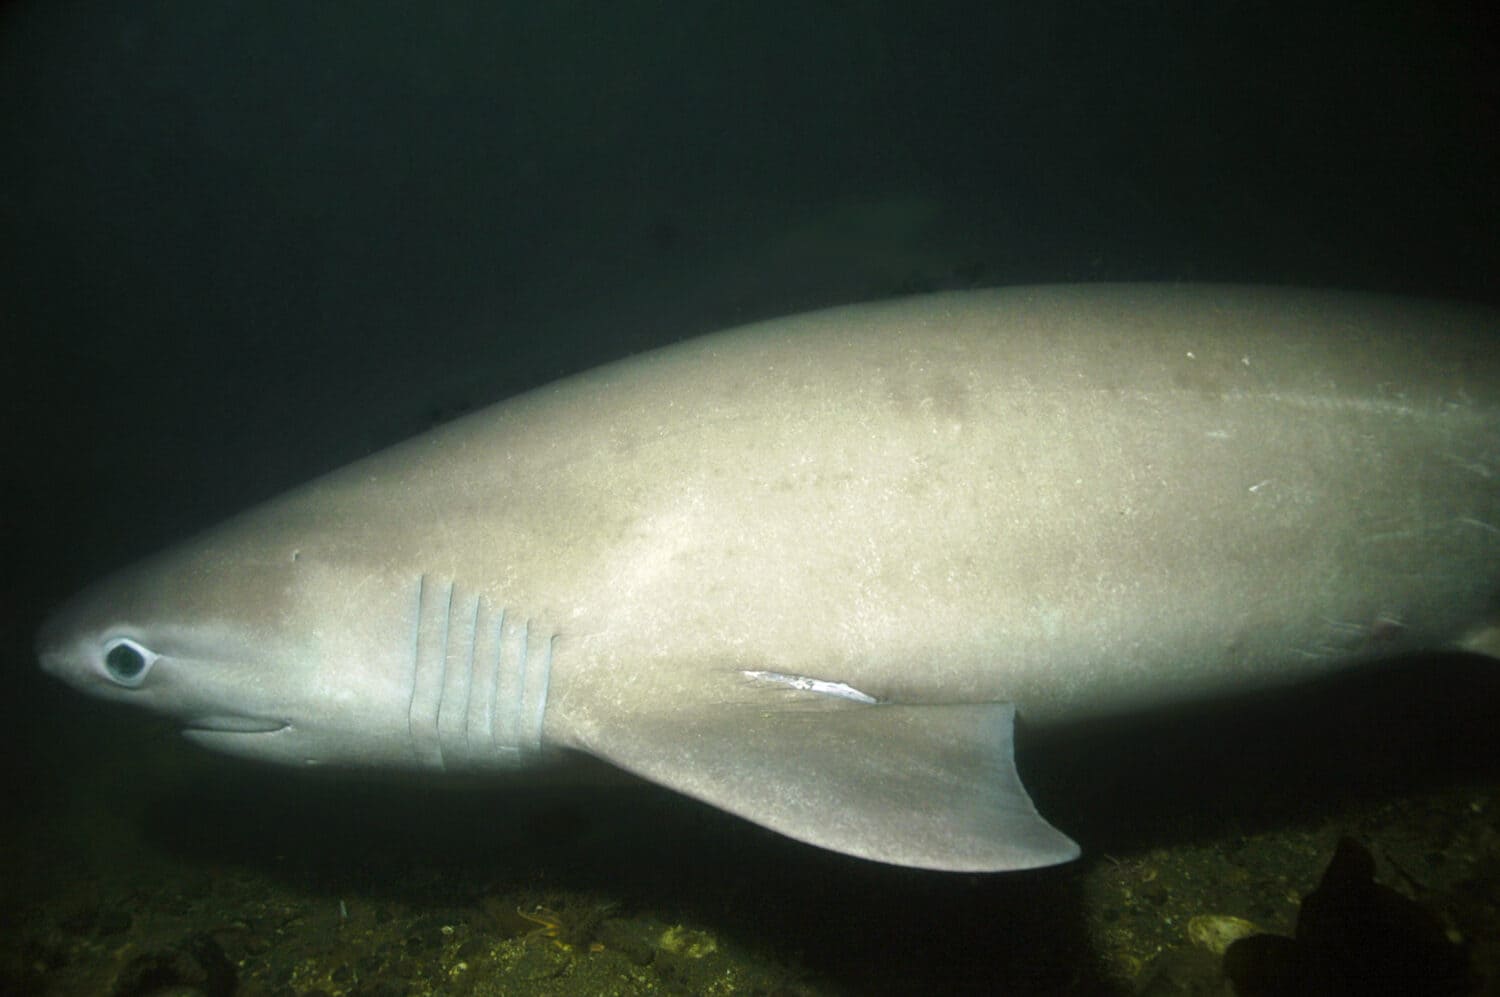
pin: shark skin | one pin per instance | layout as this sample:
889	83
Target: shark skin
812	570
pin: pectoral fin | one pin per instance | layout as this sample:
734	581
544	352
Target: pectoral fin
928	786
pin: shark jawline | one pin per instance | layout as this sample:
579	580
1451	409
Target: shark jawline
229	724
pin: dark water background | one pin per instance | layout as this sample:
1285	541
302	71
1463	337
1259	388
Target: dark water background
244	243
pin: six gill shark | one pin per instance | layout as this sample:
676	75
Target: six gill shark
809	571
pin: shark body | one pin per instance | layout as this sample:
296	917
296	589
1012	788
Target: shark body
811	570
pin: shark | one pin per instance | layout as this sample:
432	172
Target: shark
814	571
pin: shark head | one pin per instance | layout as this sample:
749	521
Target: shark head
226	635
269	640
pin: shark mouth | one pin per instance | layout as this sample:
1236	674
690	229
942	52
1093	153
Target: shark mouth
248	737
232	724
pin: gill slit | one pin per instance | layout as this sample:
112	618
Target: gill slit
416	646
442	683
546	681
473	651
496	664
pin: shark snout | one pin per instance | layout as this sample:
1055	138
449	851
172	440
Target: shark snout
50	648
52	662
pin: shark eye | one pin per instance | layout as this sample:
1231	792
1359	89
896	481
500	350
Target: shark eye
126	662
